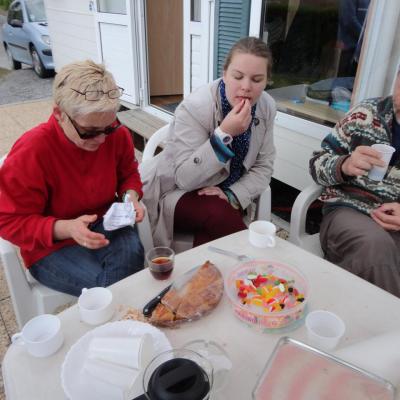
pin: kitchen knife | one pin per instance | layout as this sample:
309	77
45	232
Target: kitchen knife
178	283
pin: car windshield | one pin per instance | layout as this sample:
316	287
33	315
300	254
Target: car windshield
35	10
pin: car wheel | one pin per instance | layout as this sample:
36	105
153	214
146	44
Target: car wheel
37	64
11	62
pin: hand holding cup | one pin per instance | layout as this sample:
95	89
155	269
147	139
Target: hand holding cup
362	160
377	173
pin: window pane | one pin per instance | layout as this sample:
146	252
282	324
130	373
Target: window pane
35	10
316	48
195	10
112	6
17	12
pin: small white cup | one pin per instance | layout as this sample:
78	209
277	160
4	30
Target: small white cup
42	335
122	377
96	305
262	234
324	329
132	352
377	173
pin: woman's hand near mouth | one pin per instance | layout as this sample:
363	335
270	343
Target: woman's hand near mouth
238	119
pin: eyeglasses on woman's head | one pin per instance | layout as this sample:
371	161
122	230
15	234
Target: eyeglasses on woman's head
94	95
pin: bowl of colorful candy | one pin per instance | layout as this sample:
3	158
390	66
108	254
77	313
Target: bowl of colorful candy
267	294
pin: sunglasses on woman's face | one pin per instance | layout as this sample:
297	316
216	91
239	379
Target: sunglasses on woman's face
92	133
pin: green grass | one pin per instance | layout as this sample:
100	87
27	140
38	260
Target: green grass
3	72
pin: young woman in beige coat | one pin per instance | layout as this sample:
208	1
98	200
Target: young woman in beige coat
219	155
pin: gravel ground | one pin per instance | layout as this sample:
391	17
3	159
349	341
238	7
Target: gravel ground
23	84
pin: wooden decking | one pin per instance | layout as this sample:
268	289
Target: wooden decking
140	122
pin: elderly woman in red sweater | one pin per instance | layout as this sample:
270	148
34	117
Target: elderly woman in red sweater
60	178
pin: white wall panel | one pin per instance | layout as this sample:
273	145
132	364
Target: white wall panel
72	31
294	151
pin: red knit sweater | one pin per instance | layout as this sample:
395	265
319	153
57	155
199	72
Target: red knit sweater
46	177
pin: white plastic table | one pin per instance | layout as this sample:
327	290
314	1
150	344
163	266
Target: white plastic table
366	310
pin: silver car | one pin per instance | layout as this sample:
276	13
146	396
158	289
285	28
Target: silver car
26	37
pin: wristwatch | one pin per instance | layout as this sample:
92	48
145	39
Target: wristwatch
225	137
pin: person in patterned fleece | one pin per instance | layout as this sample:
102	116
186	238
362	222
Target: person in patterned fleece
360	230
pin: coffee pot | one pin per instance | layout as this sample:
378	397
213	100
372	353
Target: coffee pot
178	374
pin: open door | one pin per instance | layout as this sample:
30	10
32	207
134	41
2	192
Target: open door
116	39
164	26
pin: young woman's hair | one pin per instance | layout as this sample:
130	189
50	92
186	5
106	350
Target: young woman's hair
81	77
250	45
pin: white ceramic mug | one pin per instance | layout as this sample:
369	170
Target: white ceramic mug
42	335
132	352
96	305
262	234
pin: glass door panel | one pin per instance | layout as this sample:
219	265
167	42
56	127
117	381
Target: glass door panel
112	6
316	48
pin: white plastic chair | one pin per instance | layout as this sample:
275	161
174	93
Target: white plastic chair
29	297
297	234
184	241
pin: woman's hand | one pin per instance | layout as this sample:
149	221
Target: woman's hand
362	159
134	198
78	230
238	119
140	211
387	216
213	191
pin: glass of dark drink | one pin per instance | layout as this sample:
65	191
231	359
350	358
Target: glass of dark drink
160	261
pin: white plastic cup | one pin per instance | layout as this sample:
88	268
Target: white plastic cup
96	305
262	234
122	377
377	173
42	335
324	329
132	352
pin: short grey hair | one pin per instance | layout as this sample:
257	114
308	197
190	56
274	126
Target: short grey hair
83	76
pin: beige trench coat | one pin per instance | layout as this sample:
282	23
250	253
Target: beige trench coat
189	162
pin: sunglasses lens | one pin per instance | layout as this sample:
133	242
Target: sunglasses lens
90	135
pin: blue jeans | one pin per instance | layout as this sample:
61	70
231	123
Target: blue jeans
73	268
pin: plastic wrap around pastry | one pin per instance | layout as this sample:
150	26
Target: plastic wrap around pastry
200	295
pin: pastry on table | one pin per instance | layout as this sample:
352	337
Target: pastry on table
197	297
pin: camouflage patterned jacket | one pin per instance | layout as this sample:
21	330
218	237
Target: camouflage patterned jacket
367	123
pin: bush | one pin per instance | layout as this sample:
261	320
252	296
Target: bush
5	4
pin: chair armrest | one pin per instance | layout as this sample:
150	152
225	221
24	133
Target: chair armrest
144	230
299	212
263	205
156	139
18	286
6	247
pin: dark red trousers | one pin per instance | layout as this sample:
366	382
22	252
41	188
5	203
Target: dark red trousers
207	217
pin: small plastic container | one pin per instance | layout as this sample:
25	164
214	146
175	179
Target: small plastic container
257	316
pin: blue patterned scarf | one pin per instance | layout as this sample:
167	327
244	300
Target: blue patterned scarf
240	144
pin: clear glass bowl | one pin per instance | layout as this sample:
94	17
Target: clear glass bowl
257	316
